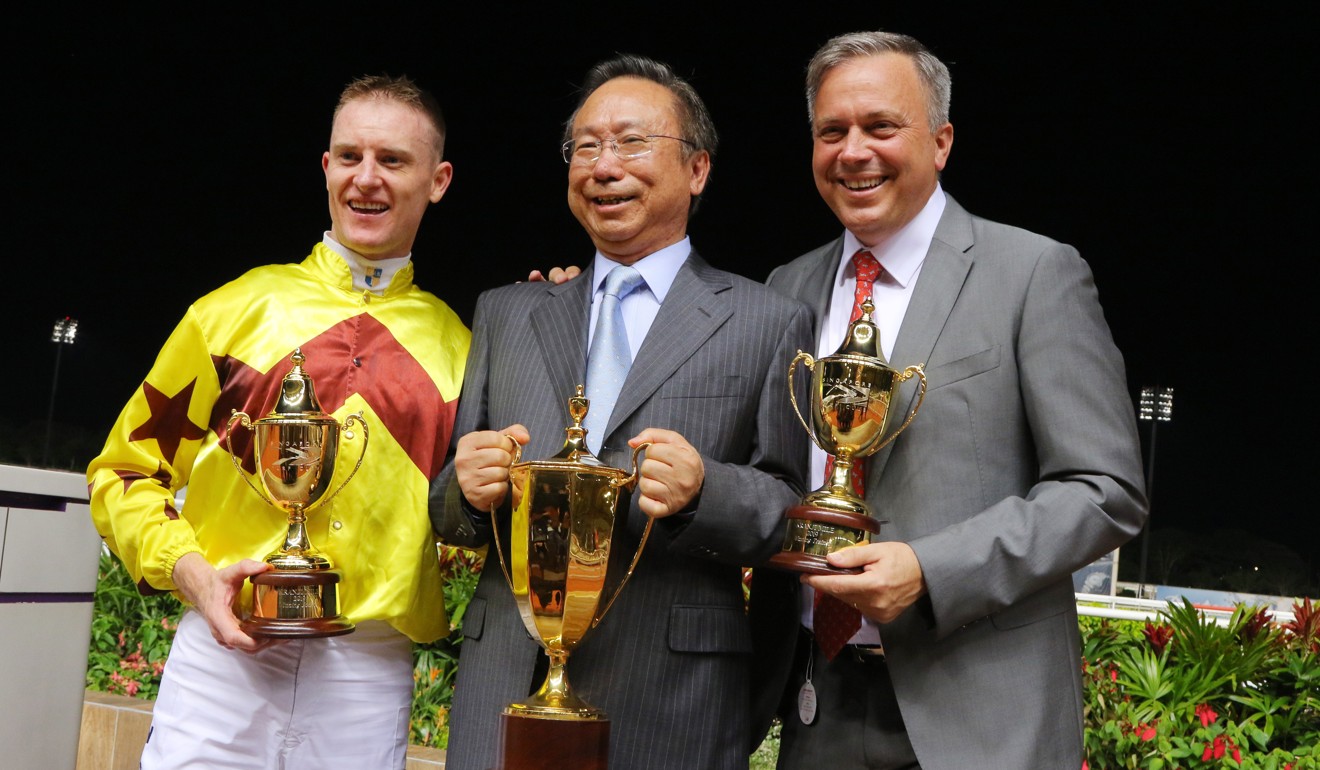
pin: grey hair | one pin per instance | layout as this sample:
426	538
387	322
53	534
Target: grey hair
934	75
693	118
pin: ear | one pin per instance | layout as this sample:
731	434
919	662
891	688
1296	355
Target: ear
700	172
444	174
325	167
943	145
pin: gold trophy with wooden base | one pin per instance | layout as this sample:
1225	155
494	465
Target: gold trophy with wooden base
851	394
297	445
559	553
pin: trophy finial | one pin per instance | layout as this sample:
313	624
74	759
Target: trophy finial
863	338
578	406
297	396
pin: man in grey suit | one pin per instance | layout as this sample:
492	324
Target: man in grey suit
1022	465
670	662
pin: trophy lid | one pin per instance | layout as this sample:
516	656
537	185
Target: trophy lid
575	451
863	338
297	396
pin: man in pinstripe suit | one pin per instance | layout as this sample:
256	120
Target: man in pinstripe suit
706	386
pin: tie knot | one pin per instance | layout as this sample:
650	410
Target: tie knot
866	265
621	280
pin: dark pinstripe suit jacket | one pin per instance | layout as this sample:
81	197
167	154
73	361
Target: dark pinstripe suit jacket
669	664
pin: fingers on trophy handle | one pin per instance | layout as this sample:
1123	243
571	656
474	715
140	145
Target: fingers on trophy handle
792	391
516	451
494	517
631	479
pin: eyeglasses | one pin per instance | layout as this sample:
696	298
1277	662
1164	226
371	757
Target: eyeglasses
625	147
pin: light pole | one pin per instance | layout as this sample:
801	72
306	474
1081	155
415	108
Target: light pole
1155	407
65	330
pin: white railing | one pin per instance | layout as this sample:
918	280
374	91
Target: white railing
1132	608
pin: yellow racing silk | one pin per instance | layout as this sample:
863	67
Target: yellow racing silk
397	358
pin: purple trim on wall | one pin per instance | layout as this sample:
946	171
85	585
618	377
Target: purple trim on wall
52	598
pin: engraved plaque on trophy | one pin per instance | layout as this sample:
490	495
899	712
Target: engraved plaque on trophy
851	395
560	547
296	447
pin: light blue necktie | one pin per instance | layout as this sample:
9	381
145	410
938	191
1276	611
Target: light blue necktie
610	357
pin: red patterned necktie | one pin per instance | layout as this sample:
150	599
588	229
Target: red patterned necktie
834	621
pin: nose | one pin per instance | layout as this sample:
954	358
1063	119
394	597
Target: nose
608	165
855	147
367	176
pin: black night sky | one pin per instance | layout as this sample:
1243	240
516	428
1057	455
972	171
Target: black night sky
154	157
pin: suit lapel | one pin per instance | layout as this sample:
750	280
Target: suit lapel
559	324
818	284
943	274
693	309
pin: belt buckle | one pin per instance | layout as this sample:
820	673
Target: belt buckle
868	653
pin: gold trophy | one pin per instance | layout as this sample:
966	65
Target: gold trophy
296	448
559	553
851	392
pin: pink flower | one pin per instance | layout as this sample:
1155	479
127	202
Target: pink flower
1146	732
1233	749
1206	714
1216	749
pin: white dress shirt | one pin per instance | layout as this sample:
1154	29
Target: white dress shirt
641	306
901	257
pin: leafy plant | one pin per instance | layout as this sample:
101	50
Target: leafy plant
1186	692
131	634
435	664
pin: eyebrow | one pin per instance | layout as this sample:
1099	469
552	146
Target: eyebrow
393	151
617	127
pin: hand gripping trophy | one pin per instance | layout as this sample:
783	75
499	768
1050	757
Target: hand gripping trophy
557	566
296	448
851	394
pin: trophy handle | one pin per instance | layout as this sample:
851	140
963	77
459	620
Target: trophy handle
631	479
348	433
792	392
628	483
494	523
914	370
229	444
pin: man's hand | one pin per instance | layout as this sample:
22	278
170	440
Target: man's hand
890	581
212	592
671	474
481	464
557	274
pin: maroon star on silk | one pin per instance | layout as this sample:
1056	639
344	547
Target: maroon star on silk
169	423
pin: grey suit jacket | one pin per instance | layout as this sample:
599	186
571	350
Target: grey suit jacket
669	664
1022	465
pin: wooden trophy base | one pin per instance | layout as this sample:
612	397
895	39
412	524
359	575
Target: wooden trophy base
813	532
538	743
295	604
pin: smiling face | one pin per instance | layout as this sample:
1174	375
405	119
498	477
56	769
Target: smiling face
874	157
382	170
633	208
